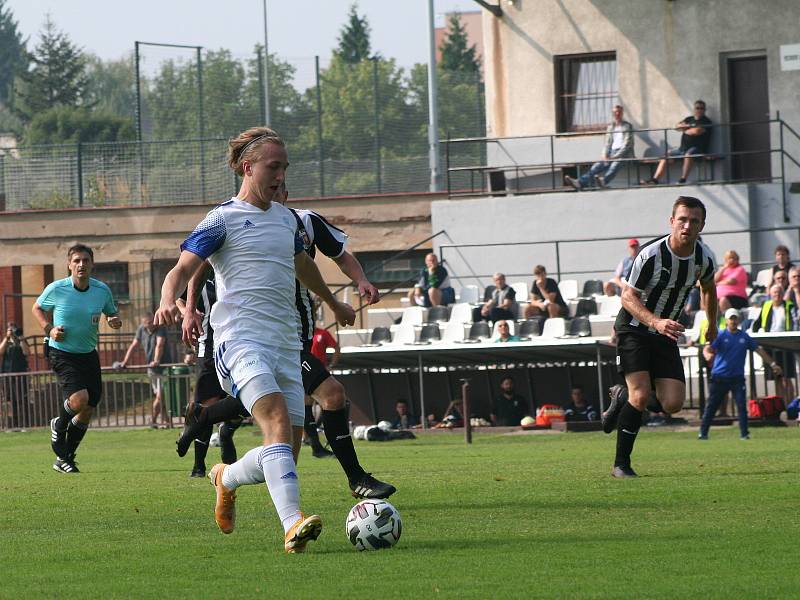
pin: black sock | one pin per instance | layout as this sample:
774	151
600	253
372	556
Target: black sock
226	446
75	432
65	416
201	447
337	430
226	409
310	427
630	420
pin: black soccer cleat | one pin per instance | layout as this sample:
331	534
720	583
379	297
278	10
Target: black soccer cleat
58	439
623	472
191	428
610	416
196	472
321	453
369	487
65	466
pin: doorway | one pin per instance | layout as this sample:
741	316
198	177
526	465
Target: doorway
748	99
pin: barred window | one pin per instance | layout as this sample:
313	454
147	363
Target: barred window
586	91
115	276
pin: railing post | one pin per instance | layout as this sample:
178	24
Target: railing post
201	122
447	162
320	151
783	173
377	105
465	411
80	174
552	166
558	262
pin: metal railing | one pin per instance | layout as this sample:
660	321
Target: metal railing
544	172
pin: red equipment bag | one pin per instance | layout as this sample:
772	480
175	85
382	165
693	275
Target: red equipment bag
766	407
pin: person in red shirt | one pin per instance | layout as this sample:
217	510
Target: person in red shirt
321	342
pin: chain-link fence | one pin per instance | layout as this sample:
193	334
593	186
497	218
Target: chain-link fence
350	129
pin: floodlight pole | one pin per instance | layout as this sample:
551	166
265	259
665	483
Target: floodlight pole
266	69
433	118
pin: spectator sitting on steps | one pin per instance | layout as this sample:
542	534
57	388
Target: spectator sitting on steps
546	299
433	287
502	304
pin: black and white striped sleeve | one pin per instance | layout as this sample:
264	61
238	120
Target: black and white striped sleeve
329	239
709	269
642	271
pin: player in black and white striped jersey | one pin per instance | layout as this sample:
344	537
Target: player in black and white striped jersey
655	292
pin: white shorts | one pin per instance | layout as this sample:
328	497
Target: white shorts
249	370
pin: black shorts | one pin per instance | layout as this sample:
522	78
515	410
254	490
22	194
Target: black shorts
314	372
737	302
207	384
76	372
651	352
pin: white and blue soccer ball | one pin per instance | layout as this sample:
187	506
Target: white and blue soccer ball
373	525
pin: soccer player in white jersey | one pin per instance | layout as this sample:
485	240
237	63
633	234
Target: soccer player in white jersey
655	292
254	247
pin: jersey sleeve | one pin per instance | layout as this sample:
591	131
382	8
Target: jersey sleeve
208	236
641	272
330	240
110	307
47	300
709	268
298	243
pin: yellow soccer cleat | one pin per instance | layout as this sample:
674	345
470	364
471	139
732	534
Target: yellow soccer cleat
303	531
225	508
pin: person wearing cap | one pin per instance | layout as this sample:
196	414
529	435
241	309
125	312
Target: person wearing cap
613	286
728	352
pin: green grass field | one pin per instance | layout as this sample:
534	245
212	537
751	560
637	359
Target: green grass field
512	516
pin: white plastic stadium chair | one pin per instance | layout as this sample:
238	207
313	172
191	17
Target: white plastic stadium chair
602	325
764	277
610	306
554	327
568	288
403	334
413	315
521	290
469	294
453	331
461	313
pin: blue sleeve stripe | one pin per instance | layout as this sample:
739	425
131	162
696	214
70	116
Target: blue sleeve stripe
298	243
207	237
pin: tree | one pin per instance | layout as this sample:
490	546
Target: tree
354	43
456	56
110	85
58	76
13	55
70	124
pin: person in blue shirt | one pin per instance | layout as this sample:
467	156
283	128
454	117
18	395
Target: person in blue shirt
69	312
728	352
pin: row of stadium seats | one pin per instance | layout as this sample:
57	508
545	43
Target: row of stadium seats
568	288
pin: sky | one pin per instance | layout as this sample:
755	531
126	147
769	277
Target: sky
298	29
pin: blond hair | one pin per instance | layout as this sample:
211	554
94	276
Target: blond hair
245	145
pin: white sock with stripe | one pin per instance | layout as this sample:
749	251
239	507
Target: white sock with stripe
245	471
280	473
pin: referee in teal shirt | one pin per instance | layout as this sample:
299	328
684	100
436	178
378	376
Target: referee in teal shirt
69	311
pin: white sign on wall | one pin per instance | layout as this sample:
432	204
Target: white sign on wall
790	57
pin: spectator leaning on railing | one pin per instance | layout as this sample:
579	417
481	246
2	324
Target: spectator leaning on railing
696	136
618	145
731	280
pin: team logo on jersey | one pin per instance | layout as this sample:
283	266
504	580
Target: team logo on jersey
306	238
248	224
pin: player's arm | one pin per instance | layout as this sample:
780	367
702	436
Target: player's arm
776	368
350	266
174	284
134	345
308	273
191	328
45	319
632	302
708	299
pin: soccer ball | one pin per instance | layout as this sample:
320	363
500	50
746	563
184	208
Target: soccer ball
373	524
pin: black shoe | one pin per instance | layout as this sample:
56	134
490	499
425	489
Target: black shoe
623	472
682	180
65	465
651	181
58	439
191	428
321	453
369	487
198	472
609	418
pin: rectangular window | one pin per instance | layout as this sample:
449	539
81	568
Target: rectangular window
115	276
401	271
586	91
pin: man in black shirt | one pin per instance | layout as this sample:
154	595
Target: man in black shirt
580	409
782	263
502	305
696	136
545	298
508	408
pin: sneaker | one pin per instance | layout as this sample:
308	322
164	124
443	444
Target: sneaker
600	181
369	487
702	436
321	453
191	428
623	472
573	182
609	418
196	472
63	465
745	437
651	181
303	531
58	439
682	180
225	508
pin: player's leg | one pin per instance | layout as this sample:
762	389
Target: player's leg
717	388
226	445
630	420
155	409
310	426
671	393
435	296
331	396
740	397
201	451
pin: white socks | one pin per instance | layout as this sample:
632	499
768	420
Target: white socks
275	465
280	473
